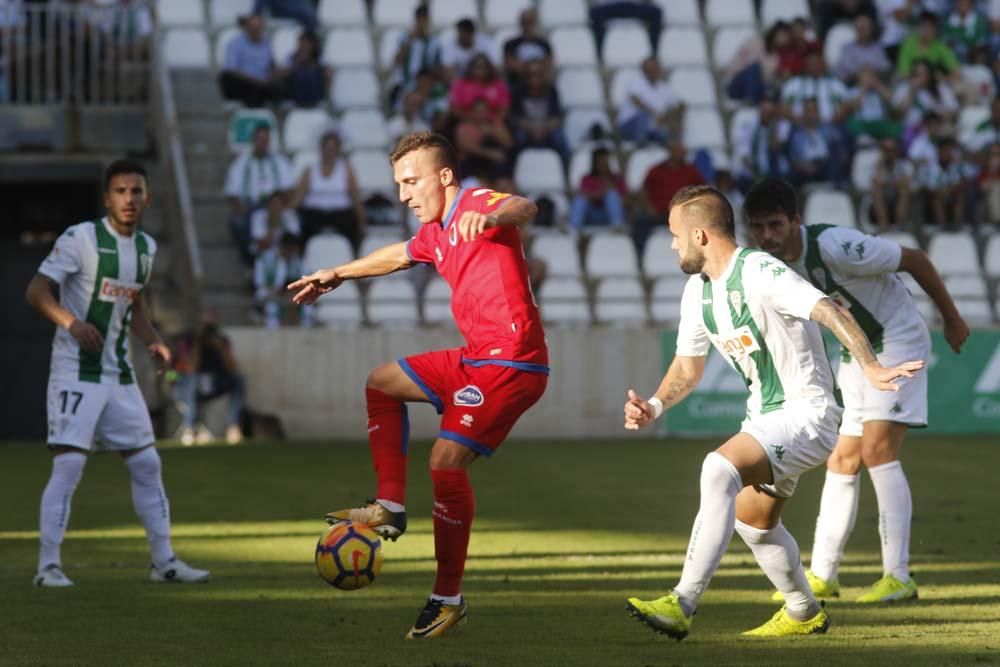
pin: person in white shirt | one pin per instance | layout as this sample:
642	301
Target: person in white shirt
651	108
829	92
273	269
456	55
270	223
328	197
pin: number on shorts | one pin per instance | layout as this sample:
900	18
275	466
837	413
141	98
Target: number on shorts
67	396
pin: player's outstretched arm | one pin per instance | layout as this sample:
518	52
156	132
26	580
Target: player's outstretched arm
845	328
918	264
383	261
682	377
143	327
41	296
514	211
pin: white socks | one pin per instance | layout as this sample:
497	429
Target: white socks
150	502
447	599
778	555
895	510
713	528
67	469
838	509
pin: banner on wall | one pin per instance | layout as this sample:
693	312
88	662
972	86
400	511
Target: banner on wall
963	392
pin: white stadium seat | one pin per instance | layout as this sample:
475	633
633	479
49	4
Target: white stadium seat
560	254
388	45
991	258
187	48
304	127
729	12
742	124
573	46
580	122
180	12
659	259
953	252
830	207
611	254
966	286
555	13
727	42
772	11
373	172
620	81
394	13
341	308
342	13
448	12
437	302
694	85
242	124
639	163
976	312
905	239
625	44
969	118
863	168
564	301
504	13
302	160
354	87
580	87
680	12
703	129
837	38
222	13
327	249
620	302
981	78
392	303
376	239
538	169
665	298
682	46
222	39
284	43
348	46
579	165
364	128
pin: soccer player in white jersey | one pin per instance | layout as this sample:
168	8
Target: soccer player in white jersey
101	268
859	272
761	316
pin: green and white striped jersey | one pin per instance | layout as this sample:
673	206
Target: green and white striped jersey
100	272
757	316
858	271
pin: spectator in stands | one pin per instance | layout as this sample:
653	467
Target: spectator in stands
864	51
922	147
408	119
530	45
947	183
248	74
253	177
306	81
923	92
268	224
483	82
206	368
457	56
986	133
966	31
434	94
763	150
327	195
274	269
924	44
536	113
726	184
303	11
801	42
891	186
599	197
484	146
988	184
756	67
652	111
816	149
829	92
831	12
662	182
893	17
419	51
871	108
602	11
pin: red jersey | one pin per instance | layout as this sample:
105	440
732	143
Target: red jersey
491	299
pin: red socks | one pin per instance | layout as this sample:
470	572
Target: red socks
388	437
454	506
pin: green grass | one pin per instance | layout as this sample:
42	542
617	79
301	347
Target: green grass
564	532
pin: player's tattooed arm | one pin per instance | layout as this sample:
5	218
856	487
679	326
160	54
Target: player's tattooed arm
681	379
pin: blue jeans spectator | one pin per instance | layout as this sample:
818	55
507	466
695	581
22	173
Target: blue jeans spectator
610	212
190	388
748	84
303	11
641	128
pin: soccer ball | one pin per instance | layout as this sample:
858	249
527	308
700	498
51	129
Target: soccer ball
349	555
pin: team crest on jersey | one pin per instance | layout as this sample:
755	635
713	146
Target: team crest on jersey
453	234
469	396
736	299
739	343
118	291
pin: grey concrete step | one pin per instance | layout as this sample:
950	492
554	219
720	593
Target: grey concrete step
234	308
224	270
205	134
211	218
206	174
196	90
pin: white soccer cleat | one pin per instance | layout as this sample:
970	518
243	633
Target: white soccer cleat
52	576
187	437
176	571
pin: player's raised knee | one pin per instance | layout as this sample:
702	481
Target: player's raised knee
381	377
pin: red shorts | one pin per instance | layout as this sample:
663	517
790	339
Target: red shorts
479	401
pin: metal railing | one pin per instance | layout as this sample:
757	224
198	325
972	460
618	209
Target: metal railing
61	52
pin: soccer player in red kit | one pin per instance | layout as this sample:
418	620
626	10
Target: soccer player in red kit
471	237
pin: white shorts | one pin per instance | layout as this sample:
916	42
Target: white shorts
114	416
796	438
864	403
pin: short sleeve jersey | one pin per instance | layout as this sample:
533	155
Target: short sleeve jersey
252	179
100	273
757	316
858	271
491	298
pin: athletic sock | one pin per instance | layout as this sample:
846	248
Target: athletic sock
454	506
67	469
778	555
895	510
838	510
713	528
150	502
388	438
448	599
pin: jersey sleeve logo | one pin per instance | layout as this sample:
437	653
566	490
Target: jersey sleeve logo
469	396
738	344
496	196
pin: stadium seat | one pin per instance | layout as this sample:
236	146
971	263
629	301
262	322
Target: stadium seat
727	42
539	169
830	207
504	13
373	172
573	46
437	302
302	160
665	298
695	86
863	168
304	127
580	122
837	38
659	259
335	13
905	239
324	250
953	253
448	12
341	308
223	13
563	300
969	118
927	310
991	258
364	128
284	43
680	12
348	46
222	39
560	254
611	254
620	81
729	12
388	45
981	77
620	302
579	165
639	163
703	129
392	303
354	87
682	46
171	13
376	238
580	87
245	121
187	48
625	44
741	124
966	286
394	13
772	11
976	312
555	13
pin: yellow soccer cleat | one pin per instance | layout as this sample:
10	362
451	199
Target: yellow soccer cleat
436	617
821	588
664	615
783	625
388	525
890	589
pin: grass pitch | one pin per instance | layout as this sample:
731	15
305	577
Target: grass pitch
564	532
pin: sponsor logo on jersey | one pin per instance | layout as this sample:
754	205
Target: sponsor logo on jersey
467	420
437	253
739	343
470	395
118	291
497	196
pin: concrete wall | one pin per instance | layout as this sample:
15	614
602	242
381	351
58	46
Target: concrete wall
314	379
